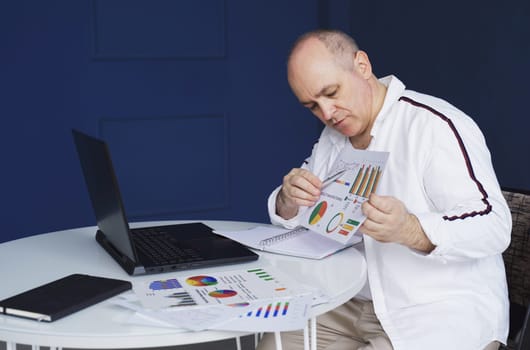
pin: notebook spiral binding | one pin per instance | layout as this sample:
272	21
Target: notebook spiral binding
283	236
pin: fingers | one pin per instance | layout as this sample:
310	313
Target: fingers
372	212
374	225
301	187
385	217
374	231
303	180
383	204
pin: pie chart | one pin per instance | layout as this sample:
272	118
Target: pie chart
201	281
334	222
318	212
222	293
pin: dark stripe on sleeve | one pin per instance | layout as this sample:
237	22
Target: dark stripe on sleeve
466	158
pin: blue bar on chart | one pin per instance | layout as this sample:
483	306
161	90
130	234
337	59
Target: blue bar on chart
270	310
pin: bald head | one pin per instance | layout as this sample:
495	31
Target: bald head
333	78
341	46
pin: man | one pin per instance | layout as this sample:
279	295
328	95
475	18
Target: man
435	232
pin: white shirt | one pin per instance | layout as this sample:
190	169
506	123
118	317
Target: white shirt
440	168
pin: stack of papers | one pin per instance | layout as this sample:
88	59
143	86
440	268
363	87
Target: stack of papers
257	300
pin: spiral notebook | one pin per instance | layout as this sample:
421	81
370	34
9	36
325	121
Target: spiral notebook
297	242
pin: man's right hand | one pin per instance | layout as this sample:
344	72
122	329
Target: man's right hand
300	188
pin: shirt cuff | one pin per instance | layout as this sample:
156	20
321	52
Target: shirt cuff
275	218
431	224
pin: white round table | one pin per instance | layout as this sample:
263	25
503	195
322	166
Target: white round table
28	262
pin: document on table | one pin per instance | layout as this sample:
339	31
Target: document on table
276	314
257	299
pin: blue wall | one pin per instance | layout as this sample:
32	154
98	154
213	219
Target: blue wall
475	54
193	100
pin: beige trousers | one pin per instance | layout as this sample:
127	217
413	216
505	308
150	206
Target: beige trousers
351	326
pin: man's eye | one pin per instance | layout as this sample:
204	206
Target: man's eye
332	93
313	106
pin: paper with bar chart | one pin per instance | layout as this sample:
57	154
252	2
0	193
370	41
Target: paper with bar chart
260	298
280	314
235	288
285	313
337	214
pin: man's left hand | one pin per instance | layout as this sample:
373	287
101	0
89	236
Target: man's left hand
388	220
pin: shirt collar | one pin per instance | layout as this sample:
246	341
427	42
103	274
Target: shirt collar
394	91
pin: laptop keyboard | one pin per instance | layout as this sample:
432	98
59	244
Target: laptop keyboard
161	247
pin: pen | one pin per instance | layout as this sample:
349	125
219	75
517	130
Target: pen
333	177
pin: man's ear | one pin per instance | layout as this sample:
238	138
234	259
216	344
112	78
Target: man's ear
362	64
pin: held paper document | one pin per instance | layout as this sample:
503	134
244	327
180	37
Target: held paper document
337	214
332	223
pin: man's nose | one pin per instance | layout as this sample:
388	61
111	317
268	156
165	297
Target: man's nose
328	111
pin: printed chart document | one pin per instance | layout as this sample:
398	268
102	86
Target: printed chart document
337	214
222	288
260	299
332	223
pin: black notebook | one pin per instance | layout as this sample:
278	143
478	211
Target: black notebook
62	297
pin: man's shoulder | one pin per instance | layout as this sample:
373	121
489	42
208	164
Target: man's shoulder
422	99
430	104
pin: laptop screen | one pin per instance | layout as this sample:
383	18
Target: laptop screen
104	191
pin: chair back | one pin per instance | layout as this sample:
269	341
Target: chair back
517	262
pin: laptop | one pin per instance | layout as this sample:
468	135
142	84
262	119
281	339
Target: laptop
152	249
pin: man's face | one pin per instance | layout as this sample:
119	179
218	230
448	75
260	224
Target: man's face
340	98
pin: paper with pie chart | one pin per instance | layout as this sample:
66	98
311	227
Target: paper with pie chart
236	288
259	298
337	214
